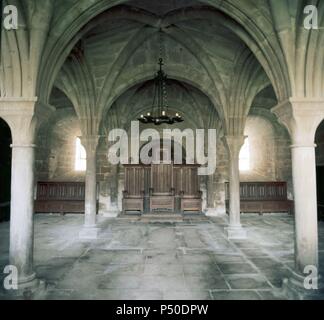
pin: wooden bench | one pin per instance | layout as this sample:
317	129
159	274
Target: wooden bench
60	197
263	197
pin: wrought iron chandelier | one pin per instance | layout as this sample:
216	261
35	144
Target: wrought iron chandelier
159	113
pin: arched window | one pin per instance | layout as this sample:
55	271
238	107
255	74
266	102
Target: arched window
244	160
80	156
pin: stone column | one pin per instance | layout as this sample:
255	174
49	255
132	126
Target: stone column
20	116
22	210
301	118
234	144
90	229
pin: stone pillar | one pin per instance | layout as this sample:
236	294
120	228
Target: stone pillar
22	210
234	144
301	118
90	230
20	116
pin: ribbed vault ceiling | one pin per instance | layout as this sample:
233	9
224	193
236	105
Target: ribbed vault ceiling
120	50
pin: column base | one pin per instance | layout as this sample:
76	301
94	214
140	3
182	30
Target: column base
294	289
89	233
110	213
235	232
28	288
214	212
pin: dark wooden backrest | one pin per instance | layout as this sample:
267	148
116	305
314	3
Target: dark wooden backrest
162	178
134	179
61	191
186	180
261	191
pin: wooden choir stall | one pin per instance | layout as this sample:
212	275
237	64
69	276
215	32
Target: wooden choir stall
161	188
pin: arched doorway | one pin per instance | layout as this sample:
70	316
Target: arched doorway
5	170
319	139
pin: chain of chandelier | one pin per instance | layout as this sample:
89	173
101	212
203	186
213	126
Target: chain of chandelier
159	113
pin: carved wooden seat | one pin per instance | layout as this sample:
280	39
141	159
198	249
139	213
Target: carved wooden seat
263	197
188	182
133	195
162	191
60	197
161	187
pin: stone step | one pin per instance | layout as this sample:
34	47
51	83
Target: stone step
163	217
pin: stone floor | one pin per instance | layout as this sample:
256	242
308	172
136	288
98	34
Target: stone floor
162	260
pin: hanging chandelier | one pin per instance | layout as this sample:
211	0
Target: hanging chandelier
159	113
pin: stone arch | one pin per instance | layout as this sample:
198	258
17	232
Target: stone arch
55	155
15	70
118	67
144	35
138	75
250	32
114	13
190	44
264	109
279	128
320	125
300	47
247	81
181	99
271	63
261	135
270	155
55	139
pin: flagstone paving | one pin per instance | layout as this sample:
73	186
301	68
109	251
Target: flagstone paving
145	260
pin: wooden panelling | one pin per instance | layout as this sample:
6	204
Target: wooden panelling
164	187
60	197
190	195
162	191
133	195
263	197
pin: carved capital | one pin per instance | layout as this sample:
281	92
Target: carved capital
233	145
20	115
90	143
301	117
